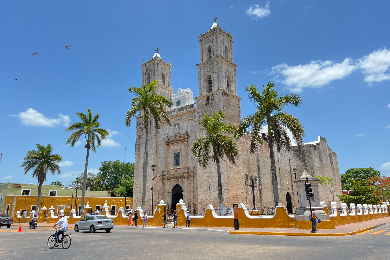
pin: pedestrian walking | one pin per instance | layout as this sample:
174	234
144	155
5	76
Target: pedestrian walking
164	217
144	218
188	219
135	218
174	219
130	219
313	219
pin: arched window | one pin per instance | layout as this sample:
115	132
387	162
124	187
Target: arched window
163	79
226	52
148	79
209	84
209	52
228	83
176	160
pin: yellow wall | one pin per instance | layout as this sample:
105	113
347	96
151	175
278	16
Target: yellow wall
279	220
25	203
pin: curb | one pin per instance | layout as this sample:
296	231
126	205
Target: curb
306	234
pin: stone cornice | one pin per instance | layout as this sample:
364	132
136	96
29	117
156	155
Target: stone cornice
217	92
213	32
216	59
177	138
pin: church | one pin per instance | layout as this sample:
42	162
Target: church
177	174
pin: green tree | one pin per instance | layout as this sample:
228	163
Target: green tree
269	113
89	127
58	183
218	143
112	173
347	179
150	106
125	188
358	180
362	193
92	183
41	161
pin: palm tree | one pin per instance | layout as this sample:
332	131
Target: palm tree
89	127
150	106
218	144
41	161
269	113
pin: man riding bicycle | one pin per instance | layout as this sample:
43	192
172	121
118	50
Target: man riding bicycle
63	223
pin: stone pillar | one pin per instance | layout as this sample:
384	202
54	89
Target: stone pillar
353	209
303	212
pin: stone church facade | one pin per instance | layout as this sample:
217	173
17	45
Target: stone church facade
178	174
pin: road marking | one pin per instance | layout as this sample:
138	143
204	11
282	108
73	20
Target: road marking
387	234
364	232
380	231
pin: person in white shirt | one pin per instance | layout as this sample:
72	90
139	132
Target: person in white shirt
63	223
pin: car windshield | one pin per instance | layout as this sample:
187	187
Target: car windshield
101	217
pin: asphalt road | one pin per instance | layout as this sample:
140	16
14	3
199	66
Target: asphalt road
158	243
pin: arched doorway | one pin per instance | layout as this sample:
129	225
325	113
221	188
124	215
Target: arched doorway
289	204
177	194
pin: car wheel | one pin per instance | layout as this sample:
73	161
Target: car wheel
76	228
108	230
92	229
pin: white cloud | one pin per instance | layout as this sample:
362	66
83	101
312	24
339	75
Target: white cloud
360	135
92	170
108	142
385	166
255	72
70	174
315	74
375	65
388	126
259	12
66	164
78	143
231	6
388	105
7	177
112	132
33	118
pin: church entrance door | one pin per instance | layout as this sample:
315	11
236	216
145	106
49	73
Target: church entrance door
289	204
177	194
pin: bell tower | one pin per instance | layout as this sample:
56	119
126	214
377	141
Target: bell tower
217	76
157	69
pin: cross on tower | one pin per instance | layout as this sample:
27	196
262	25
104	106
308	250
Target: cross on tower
215	19
157	50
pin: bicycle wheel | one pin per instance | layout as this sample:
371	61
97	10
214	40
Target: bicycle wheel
66	241
51	241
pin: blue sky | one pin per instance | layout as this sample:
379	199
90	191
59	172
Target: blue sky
335	54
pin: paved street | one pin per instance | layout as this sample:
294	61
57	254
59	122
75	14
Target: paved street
158	243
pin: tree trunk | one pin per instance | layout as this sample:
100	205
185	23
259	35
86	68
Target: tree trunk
145	166
39	197
84	180
274	177
259	183
220	197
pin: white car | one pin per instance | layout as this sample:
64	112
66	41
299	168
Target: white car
93	223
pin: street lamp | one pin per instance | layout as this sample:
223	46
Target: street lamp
153	168
75	201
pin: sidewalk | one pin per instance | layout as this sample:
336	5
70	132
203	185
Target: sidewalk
342	230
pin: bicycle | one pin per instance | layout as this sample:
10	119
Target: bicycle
64	240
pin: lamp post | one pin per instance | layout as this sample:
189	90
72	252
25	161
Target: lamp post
153	168
75	201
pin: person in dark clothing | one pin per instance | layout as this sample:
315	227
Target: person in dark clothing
135	218
165	219
188	219
174	219
313	219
